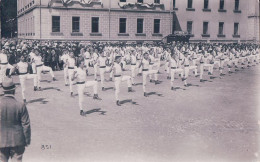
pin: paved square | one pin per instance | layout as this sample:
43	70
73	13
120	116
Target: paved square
215	121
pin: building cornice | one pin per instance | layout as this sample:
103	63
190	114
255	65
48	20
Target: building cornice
95	9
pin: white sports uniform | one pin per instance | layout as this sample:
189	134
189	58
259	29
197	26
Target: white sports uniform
24	75
82	84
71	62
119	78
64	58
4	65
40	67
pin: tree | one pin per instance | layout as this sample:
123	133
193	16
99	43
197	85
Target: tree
8	17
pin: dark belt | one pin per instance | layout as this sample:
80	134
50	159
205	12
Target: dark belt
222	59
117	76
145	69
70	67
202	62
173	68
87	58
80	82
23	73
39	65
194	58
133	64
180	59
186	65
4	63
151	63
102	66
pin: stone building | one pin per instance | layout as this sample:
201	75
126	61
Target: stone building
138	20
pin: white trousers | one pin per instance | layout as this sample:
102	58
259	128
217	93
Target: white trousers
118	81
25	77
138	62
145	74
39	70
133	67
87	63
177	71
66	75
70	72
102	75
81	89
95	71
34	68
202	66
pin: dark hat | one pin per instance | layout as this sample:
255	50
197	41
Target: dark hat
117	57
8	84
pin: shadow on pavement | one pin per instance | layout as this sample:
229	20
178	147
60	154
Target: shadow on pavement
192	85
40	100
128	101
98	110
178	88
154	93
109	88
137	84
47	81
49	88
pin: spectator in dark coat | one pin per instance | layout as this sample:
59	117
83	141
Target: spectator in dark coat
15	125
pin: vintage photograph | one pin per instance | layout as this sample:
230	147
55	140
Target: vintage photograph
129	81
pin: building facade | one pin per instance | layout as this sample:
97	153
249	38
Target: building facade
138	20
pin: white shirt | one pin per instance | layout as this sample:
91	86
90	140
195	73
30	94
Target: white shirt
87	55
38	60
118	69
22	67
71	62
32	55
3	58
102	61
64	57
81	75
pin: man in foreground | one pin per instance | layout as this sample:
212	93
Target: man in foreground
15	125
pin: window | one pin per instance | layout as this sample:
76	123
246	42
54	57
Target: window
140	25
236	4
95	25
75	24
206	4
157	1
189	27
55	23
205	27
221	5
174	3
236	28
140	1
156	28
122	0
122	25
221	28
189	4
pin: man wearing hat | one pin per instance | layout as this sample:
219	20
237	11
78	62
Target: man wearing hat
15	125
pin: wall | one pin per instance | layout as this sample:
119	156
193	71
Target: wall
213	17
